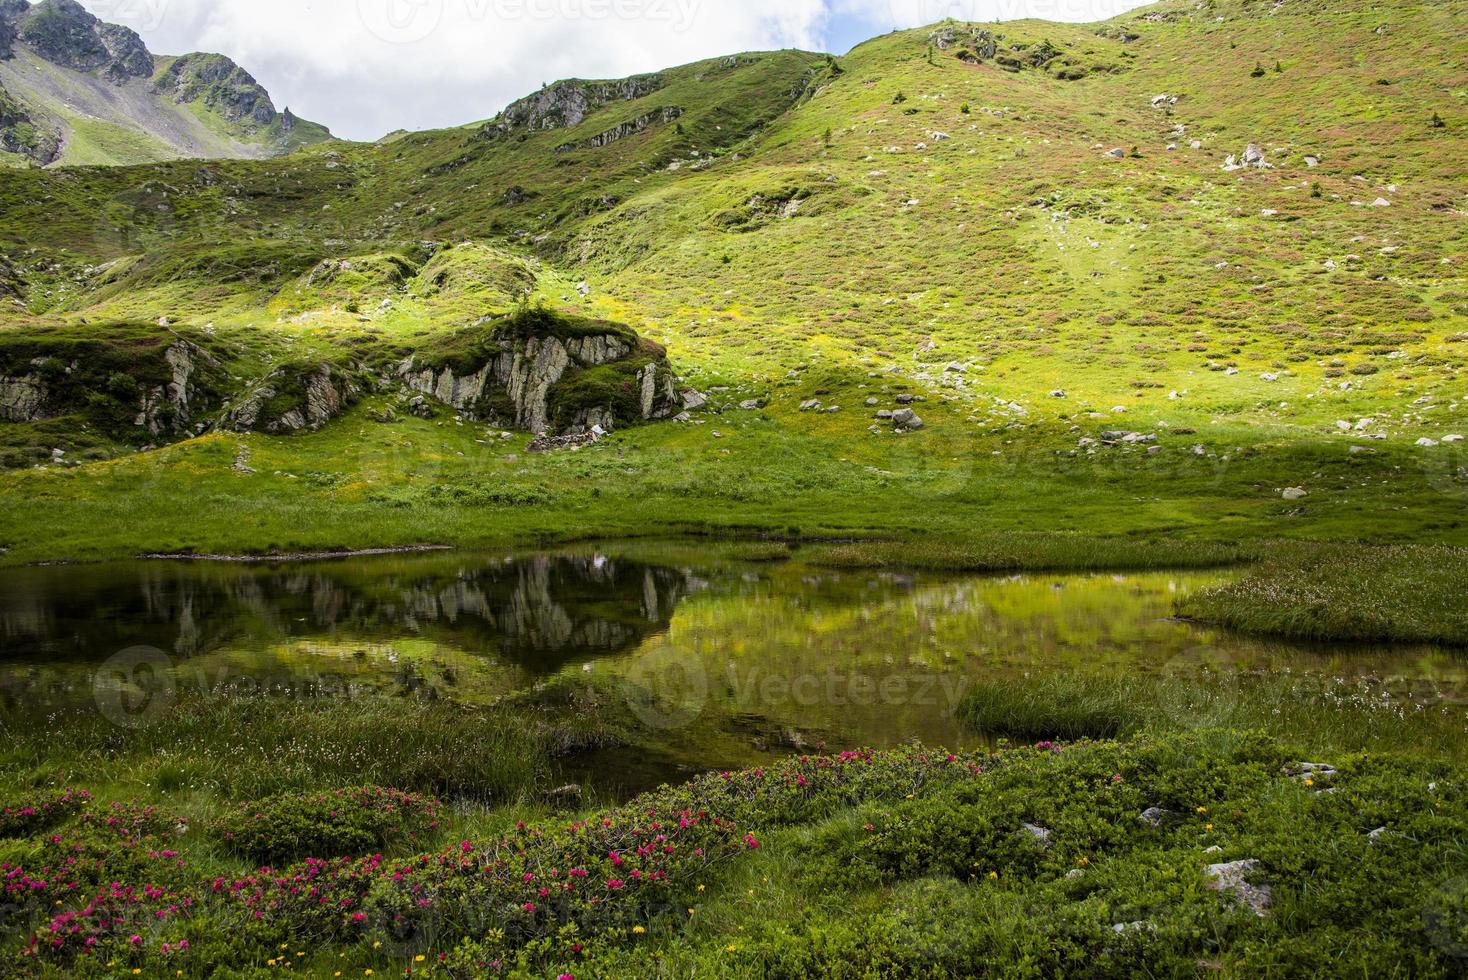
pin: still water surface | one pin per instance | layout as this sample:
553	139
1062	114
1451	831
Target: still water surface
732	660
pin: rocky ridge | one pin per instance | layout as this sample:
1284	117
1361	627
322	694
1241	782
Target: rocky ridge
564	104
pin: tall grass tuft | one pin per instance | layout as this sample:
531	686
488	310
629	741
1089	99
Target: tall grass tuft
1404	593
1016	551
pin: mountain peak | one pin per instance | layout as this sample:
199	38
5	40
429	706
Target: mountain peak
64	33
52	109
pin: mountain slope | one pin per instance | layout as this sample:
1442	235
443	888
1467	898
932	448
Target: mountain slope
1058	235
75	90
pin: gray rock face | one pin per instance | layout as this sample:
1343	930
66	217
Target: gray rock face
220	84
20	134
10	11
291	401
170	409
630	128
22	399
565	104
1233	877
64	33
516	384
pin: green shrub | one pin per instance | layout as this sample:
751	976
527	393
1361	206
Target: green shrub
26	817
343	822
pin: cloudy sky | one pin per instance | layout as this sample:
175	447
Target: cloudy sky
367	67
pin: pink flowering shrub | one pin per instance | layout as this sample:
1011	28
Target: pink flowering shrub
345	822
29	817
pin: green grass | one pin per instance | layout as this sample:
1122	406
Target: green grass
991	552
233	745
1403	594
1327	716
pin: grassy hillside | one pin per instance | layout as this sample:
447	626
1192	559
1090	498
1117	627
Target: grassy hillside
938	214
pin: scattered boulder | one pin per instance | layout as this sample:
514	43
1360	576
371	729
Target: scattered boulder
1038	834
752	405
906	420
1294	493
1154	817
1233	877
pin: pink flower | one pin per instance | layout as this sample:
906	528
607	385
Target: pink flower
750	842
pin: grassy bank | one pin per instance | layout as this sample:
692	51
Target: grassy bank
236	745
1398	594
1327	715
908	863
1020	551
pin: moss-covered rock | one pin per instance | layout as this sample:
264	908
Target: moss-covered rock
543	371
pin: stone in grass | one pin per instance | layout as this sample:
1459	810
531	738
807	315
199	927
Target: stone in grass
752	405
1038	834
1154	817
1233	877
1313	771
906	420
1294	493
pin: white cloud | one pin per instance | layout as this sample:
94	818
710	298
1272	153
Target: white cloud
366	67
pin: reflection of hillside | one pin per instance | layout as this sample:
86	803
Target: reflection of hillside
540	612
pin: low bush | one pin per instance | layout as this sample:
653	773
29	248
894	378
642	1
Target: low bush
344	822
26	817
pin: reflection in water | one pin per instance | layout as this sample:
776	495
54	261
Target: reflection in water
537	612
729	659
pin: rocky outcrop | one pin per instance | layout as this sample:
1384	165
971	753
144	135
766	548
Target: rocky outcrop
294	399
221	85
10	11
65	34
630	128
20	134
548	382
565	104
23	399
171	408
162	390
